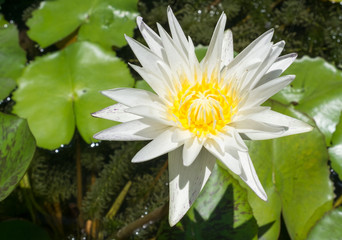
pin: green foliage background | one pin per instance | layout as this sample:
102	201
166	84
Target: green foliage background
55	57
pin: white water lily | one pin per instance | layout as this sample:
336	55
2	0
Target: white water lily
202	111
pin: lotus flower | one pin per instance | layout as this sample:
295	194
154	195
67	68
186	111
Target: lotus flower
200	111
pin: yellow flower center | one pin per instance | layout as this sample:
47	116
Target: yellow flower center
204	107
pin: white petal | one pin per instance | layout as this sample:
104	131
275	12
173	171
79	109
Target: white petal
176	57
152	39
158	84
213	55
181	135
250	126
250	177
277	68
290	125
146	57
195	68
167	76
160	145
132	97
248	67
248	61
186	182
191	149
136	130
227	48
262	93
252	65
236	141
115	113
176	31
245	113
267	63
262	40
225	157
156	113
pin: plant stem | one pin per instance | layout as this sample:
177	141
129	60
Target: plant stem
153	216
58	215
79	181
338	202
118	201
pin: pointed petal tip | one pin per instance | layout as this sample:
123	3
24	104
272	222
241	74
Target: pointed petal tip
263	197
291	76
132	65
188	160
307	127
139	20
176	215
268	32
280	43
172	220
187	163
135	159
107	93
104	92
224	16
96	136
228	32
139	160
259	192
128	39
170	13
222	19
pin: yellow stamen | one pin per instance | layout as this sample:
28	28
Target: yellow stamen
204	107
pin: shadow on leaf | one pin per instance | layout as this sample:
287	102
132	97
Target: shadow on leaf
220	224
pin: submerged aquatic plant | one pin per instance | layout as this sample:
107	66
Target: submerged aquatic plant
201	111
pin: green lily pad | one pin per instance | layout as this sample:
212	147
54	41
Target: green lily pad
214	191
223	205
20	229
200	51
335	151
6	87
316	91
329	227
60	91
220	212
104	22
295	175
17	147
12	57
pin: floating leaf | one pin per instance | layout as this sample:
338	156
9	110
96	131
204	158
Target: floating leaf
61	90
335	151
329	227
6	87
20	229
200	51
104	22
295	174
317	91
12	57
220	212
17	147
